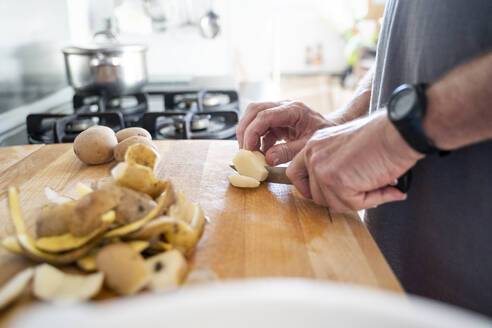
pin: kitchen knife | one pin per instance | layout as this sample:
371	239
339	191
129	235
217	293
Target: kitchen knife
276	174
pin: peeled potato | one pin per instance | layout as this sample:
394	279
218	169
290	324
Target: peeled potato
131	132
121	148
14	287
51	284
242	181
95	145
260	158
124	268
138	177
167	270
251	164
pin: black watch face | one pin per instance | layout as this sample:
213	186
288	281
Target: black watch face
403	103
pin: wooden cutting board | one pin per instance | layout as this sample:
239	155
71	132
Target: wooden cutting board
263	232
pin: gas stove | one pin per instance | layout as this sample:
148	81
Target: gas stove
174	114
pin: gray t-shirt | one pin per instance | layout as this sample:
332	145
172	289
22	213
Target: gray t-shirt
438	241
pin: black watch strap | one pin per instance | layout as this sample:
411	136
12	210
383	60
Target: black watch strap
411	128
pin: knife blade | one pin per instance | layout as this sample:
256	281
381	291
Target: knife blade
276	174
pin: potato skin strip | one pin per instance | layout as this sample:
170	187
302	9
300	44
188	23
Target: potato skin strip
28	243
68	241
163	203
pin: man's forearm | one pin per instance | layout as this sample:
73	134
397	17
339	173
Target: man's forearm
359	103
459	109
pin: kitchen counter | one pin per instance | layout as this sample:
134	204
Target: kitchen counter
263	232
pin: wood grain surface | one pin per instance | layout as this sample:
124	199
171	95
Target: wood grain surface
263	232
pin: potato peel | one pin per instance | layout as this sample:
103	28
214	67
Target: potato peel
167	270
124	269
68	241
88	262
54	197
83	189
51	284
14	287
163	202
182	229
138	177
178	233
143	155
11	244
28	243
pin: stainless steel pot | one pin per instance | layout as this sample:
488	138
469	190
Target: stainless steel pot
109	68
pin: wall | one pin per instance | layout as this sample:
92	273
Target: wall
33	33
259	37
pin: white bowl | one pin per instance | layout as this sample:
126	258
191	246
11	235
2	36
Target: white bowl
261	303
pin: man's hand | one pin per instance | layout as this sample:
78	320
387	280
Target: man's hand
349	167
263	124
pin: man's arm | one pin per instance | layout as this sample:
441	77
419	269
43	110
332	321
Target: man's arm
349	167
359	103
459	110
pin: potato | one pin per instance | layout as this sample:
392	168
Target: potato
120	149
138	177
95	145
14	287
89	209
51	284
124	268
55	220
130	132
242	181
167	270
251	164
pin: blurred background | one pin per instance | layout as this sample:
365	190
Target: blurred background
311	50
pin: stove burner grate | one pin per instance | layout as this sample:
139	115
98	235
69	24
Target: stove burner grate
59	128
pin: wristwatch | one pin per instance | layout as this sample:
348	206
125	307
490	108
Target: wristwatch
406	109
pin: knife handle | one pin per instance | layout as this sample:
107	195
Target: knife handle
403	182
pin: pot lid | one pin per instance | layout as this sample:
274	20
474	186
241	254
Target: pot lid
94	48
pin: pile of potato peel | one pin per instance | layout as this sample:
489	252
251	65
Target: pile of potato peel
130	232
